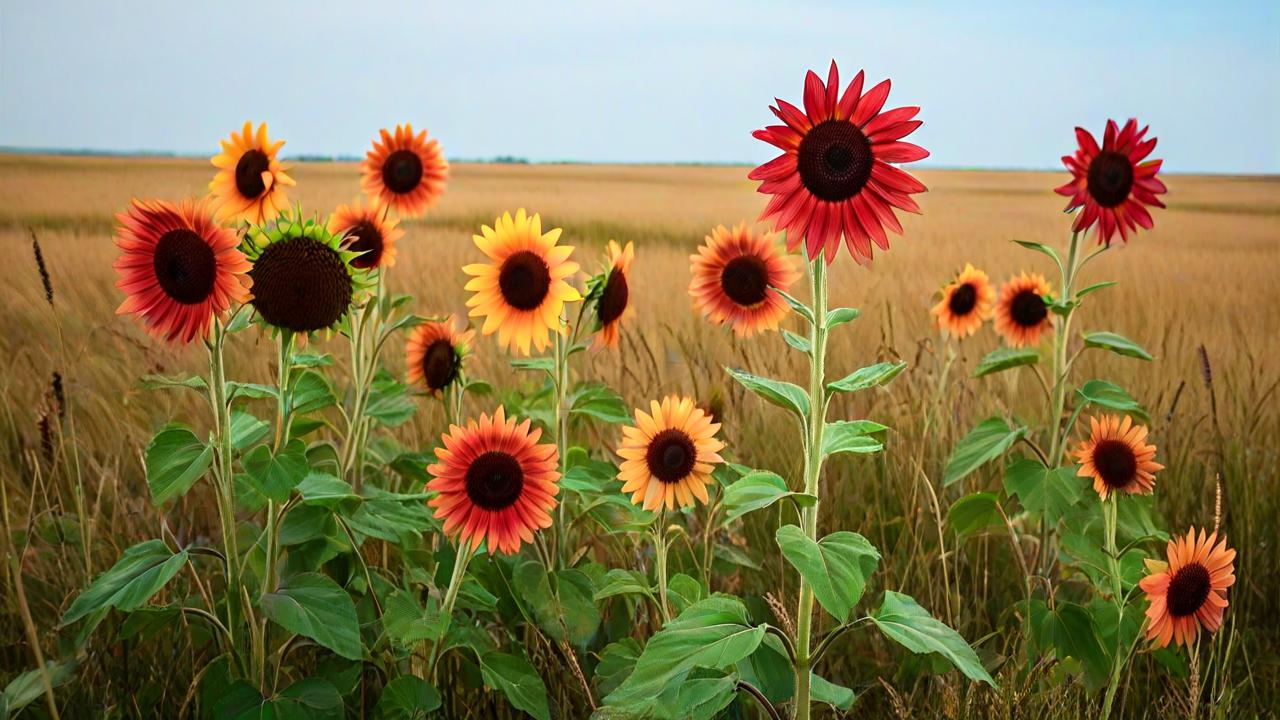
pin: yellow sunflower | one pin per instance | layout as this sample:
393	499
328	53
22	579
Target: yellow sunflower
614	304
250	182
669	454
966	302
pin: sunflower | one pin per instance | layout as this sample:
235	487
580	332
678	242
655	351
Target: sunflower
966	302
405	171
1021	312
736	278
668	455
302	280
523	288
1191	590
177	267
1116	455
368	231
250	182
834	175
614	302
1114	183
494	482
434	354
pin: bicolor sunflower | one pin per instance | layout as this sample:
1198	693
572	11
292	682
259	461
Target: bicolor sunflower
834	176
405	171
522	290
1190	591
613	305
1022	314
178	268
1117	456
369	231
669	454
494	483
434	354
736	278
1114	183
967	301
250	182
303	281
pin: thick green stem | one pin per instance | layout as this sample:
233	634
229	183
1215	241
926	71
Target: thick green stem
283	419
1109	513
1058	399
446	607
814	426
225	477
660	561
560	380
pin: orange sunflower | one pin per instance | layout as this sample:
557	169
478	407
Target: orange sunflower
614	304
434	354
405	171
250	182
1189	592
522	290
494	482
1021	312
966	302
669	454
368	231
1116	455
177	267
736	278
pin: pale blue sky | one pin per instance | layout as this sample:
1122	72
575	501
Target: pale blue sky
1001	84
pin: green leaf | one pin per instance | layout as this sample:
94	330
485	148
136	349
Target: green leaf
796	341
314	606
619	581
563	603
800	308
1069	629
837	566
839	316
175	459
252	391
758	490
867	377
407	697
327	491
29	686
617	660
1042	248
1111	396
191	382
600	402
1006	358
838	697
990	439
533	363
852	436
975	512
275	476
311	392
783	394
389	402
311	360
902	620
1117	344
683	590
1094	288
518	681
701	698
406	622
308	699
246	429
1051	493
136	576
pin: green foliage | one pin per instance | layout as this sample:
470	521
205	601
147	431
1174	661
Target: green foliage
27	687
314	606
1068	630
975	512
518	681
1117	344
1004	358
1110	396
852	436
600	402
757	490
839	316
175	460
407	698
140	573
1051	493
867	377
990	439
783	394
275	475
902	620
837	566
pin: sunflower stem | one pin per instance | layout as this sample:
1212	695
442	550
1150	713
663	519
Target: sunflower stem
561	382
446	607
225	476
1061	338
1110	506
660	561
283	418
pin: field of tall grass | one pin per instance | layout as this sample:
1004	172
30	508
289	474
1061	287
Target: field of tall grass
1200	292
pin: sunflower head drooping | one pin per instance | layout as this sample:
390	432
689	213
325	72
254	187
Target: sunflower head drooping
966	303
1114	182
1118	457
178	268
250	182
434	354
405	171
669	454
610	294
494	483
834	178
368	231
1190	590
303	281
1022	314
522	290
736	278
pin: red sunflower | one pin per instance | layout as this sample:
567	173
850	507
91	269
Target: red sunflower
834	176
1114	183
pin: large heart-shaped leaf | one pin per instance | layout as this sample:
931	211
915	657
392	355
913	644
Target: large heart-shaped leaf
175	459
1006	358
617	660
867	377
783	394
990	439
902	620
247	429
518	681
136	576
311	392
757	490
837	566
974	512
1110	396
407	697
1069	630
314	606
1117	344
852	436
275	475
1040	490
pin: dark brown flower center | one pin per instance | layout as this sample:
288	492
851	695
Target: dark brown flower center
671	455
1028	309
613	301
494	480
745	279
440	364
835	160
185	266
524	280
1188	589
1110	178
301	285
249	171
963	300
402	171
1115	462
364	238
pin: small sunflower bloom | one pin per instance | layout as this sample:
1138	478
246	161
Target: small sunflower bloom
250	182
1021	315
736	278
966	303
1191	592
669	454
1117	456
369	231
434	354
405	171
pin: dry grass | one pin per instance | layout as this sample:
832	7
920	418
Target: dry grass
1207	275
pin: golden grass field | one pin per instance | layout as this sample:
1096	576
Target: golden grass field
1209	274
